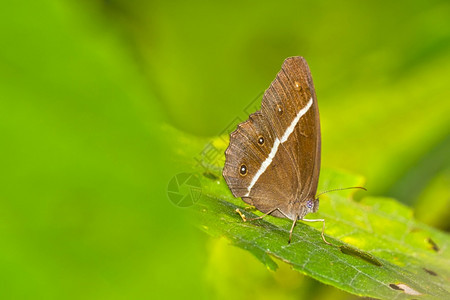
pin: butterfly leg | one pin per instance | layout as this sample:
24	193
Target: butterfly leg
241	214
244	218
292	229
323	228
266	214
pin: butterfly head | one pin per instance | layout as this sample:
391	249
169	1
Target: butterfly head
305	208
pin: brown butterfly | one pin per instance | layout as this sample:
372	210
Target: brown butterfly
273	160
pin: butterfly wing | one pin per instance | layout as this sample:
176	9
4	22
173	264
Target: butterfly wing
281	172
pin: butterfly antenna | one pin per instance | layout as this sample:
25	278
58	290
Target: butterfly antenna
341	189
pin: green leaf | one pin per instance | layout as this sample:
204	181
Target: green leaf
379	249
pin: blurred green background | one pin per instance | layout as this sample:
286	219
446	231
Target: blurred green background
86	86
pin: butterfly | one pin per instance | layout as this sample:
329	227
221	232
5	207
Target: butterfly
273	159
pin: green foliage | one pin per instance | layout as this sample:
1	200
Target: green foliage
85	166
379	249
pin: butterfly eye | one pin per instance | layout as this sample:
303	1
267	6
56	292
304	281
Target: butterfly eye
309	204
243	170
261	140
